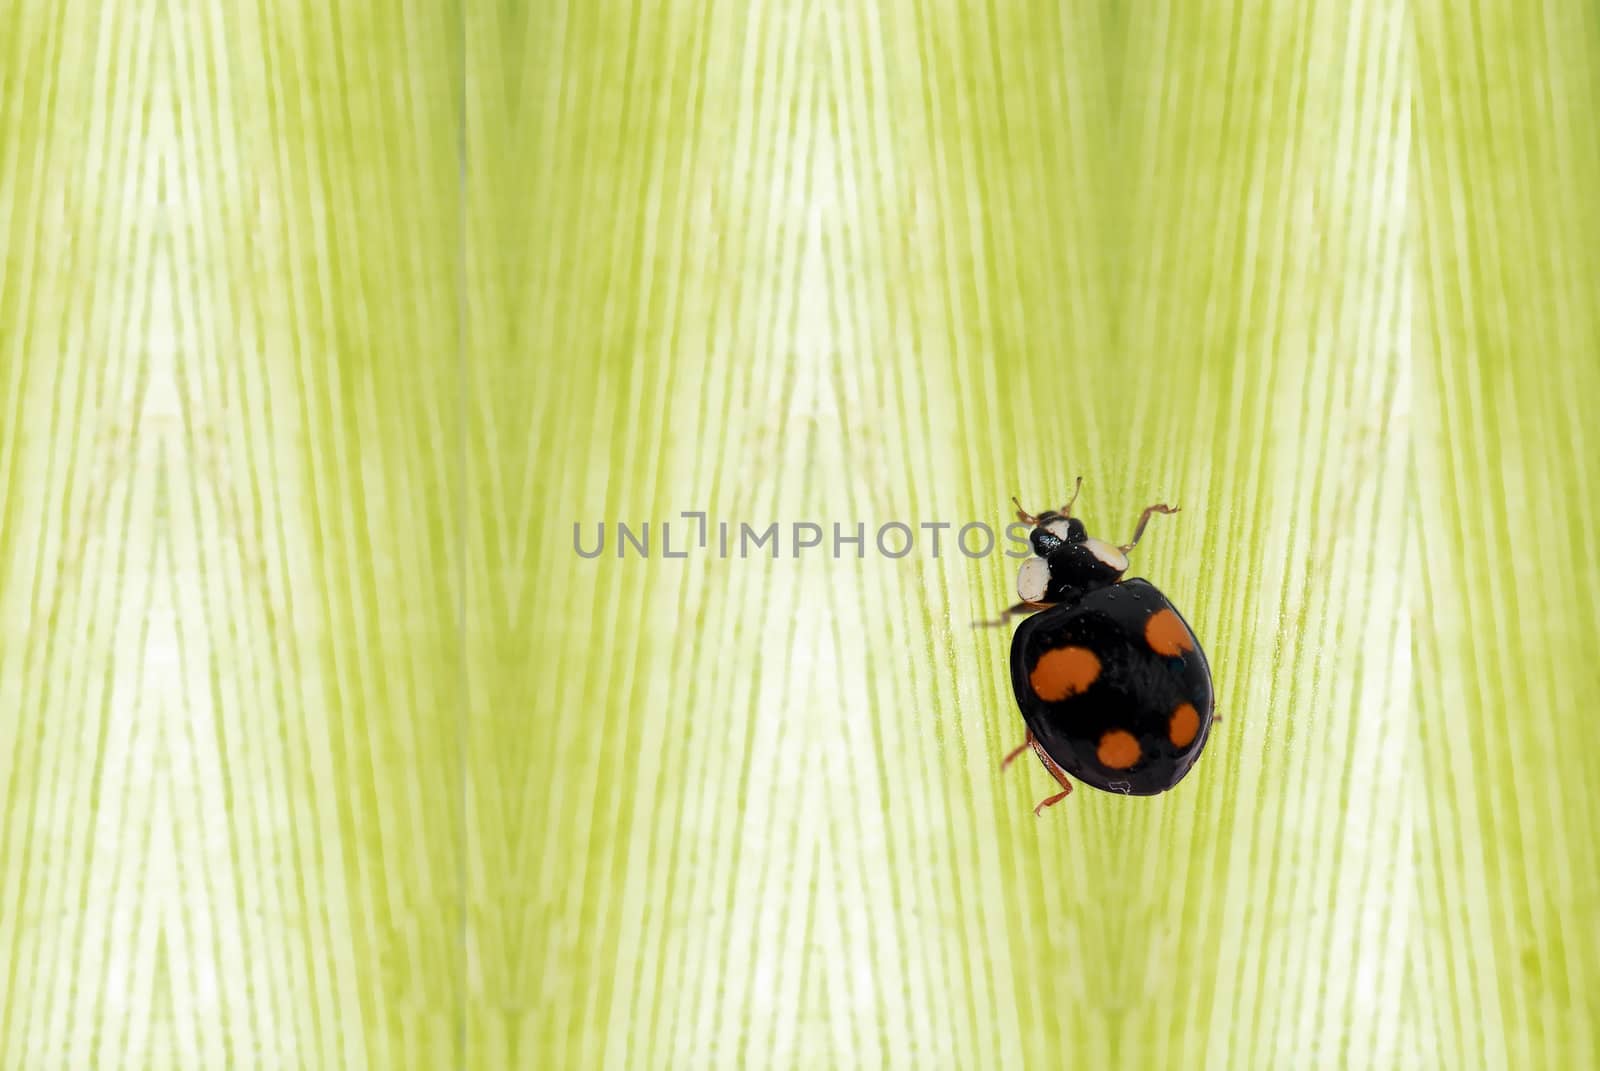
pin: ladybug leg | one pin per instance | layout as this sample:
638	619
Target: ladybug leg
1061	778
1019	749
1051	801
1055	771
1144	519
1008	613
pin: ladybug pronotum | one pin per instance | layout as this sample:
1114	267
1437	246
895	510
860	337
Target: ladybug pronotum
1113	686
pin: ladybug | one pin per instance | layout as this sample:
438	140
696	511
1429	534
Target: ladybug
1113	685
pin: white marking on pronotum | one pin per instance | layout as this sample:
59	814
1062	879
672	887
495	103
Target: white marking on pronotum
1032	579
1108	555
1060	529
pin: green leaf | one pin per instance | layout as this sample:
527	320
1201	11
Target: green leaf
322	326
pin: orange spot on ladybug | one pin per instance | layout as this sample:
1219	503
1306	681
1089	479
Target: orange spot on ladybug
1164	631
1064	672
1184	726
1119	749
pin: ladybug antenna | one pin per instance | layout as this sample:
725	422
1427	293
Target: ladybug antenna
1023	515
1066	511
1144	519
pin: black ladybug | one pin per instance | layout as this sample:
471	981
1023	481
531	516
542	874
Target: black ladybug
1112	683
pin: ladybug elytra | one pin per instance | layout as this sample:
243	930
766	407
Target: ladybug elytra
1113	686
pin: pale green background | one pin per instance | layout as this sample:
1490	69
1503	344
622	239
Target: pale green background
321	324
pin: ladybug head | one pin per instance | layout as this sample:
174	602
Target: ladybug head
1052	530
1067	561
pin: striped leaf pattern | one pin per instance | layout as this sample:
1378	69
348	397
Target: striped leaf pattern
322	326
